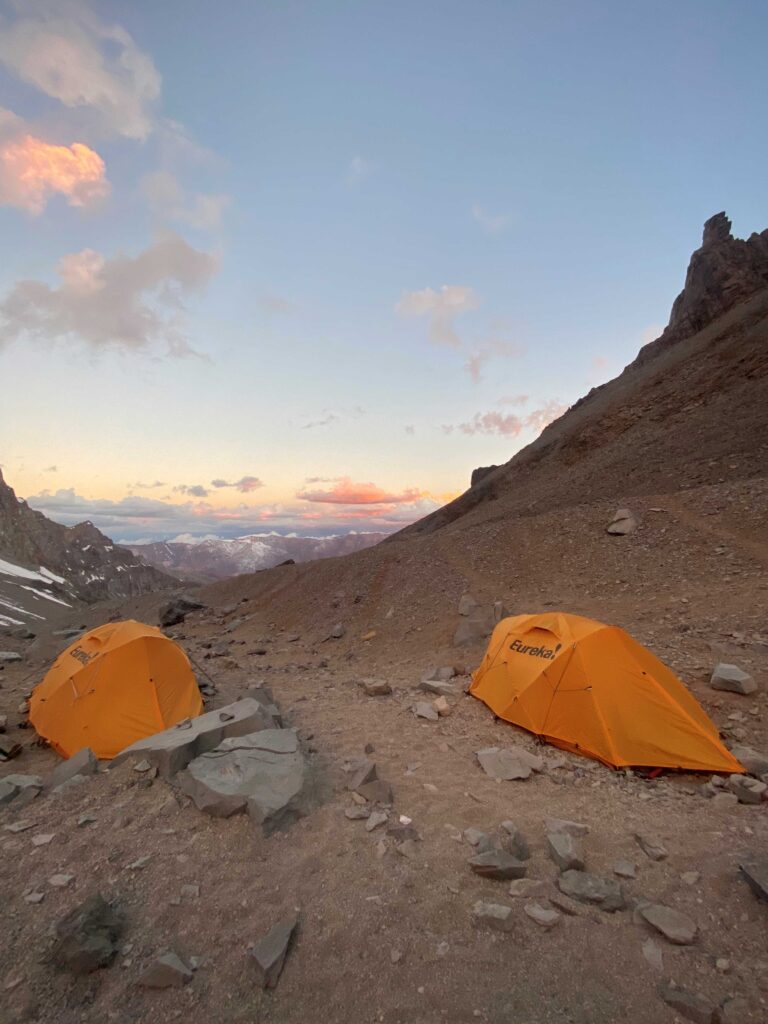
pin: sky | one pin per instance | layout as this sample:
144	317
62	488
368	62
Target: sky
300	267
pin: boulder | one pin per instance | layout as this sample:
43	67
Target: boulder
755	873
622	524
747	789
269	953
87	938
508	763
688	1004
493	915
84	762
173	749
588	888
174	612
733	679
755	762
262	772
672	924
564	851
166	971
497	864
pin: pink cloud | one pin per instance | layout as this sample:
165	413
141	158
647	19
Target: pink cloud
31	171
510	425
346	492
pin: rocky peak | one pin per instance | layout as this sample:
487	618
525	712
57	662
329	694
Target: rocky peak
716	229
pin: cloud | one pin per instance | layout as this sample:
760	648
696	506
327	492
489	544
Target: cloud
245	484
64	50
172	203
358	170
32	171
491	224
126	303
509	425
410	429
327	417
146	487
346	492
488	350
442	307
193	490
51	469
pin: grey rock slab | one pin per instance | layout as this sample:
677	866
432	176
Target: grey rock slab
625	869
524	887
475	628
732	679
726	801
11	786
437	688
263	772
166	971
377	792
545	917
746	789
87	938
690	1005
651	845
653	954
493	915
564	851
8	657
269	953
588	888
672	924
755	762
362	771
439	675
571	828
84	762
171	750
508	763
497	864
375	820
755	872
422	709
174	611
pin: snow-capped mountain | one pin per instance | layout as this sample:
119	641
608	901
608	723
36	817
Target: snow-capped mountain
216	559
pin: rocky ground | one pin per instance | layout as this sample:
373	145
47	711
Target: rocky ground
389	927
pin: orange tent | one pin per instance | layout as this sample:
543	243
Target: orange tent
591	688
115	685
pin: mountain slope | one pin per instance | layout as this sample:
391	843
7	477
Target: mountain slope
44	565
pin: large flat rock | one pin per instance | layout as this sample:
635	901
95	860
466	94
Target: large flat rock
171	750
263	773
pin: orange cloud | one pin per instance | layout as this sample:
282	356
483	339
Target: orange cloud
31	171
346	492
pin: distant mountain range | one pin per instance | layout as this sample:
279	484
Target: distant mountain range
46	568
215	559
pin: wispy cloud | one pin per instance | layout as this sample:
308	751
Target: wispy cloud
138	486
492	224
346	492
328	416
246	484
126	303
171	203
509	424
67	52
51	469
193	490
441	307
487	350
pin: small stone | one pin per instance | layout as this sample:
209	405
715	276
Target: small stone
508	763
651	846
362	771
516	843
141	863
524	887
86	819
190	891
479	839
571	828
545	917
408	849
377	792
493	915
623	523
723	964
467	604
395	956
338	631
357	813
424	710
441	706
690	877
9	657
755	762
35	897
653	954
733	679
625	869
497	864
755	872
142	766
564	851
61	881
87	938
167	971
725	801
688	1004
269	953
43	839
673	925
375	820
376	687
